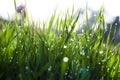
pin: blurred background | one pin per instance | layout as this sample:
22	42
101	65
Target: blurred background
43	9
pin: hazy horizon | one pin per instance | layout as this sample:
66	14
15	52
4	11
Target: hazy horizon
43	9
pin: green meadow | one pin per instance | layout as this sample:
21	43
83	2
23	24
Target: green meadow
52	50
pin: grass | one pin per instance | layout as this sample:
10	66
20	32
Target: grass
32	53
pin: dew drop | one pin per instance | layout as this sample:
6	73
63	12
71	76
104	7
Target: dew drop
83	31
16	52
82	53
88	67
119	66
66	73
65	46
19	75
70	76
71	39
88	57
50	67
10	60
116	24
113	67
94	15
87	70
26	67
102	78
48	49
65	59
17	62
108	69
103	45
31	71
103	60
101	52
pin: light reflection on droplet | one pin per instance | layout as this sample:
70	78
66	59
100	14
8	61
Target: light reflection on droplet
113	67
65	59
48	49
16	52
50	67
3	30
26	67
31	71
94	15
19	75
99	63
88	40
101	52
61	53
108	69
10	60
102	78
82	53
88	37
71	39
88	57
119	66
103	60
73	53
65	46
87	70
17	62
82	30
70	76
66	73
116	24
88	67
103	45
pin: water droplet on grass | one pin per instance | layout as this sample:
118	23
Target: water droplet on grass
4	49
61	53
26	67
70	77
102	78
87	69
116	24
101	52
88	57
108	69
72	39
11	57
113	67
94	15
103	60
50	67
83	31
17	62
82	53
69	29
48	49
66	73
65	46
65	59
31	71
103	45
99	63
19	75
16	52
10	61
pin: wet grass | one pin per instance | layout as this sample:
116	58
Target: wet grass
47	53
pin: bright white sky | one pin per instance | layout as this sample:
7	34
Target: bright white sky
42	9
